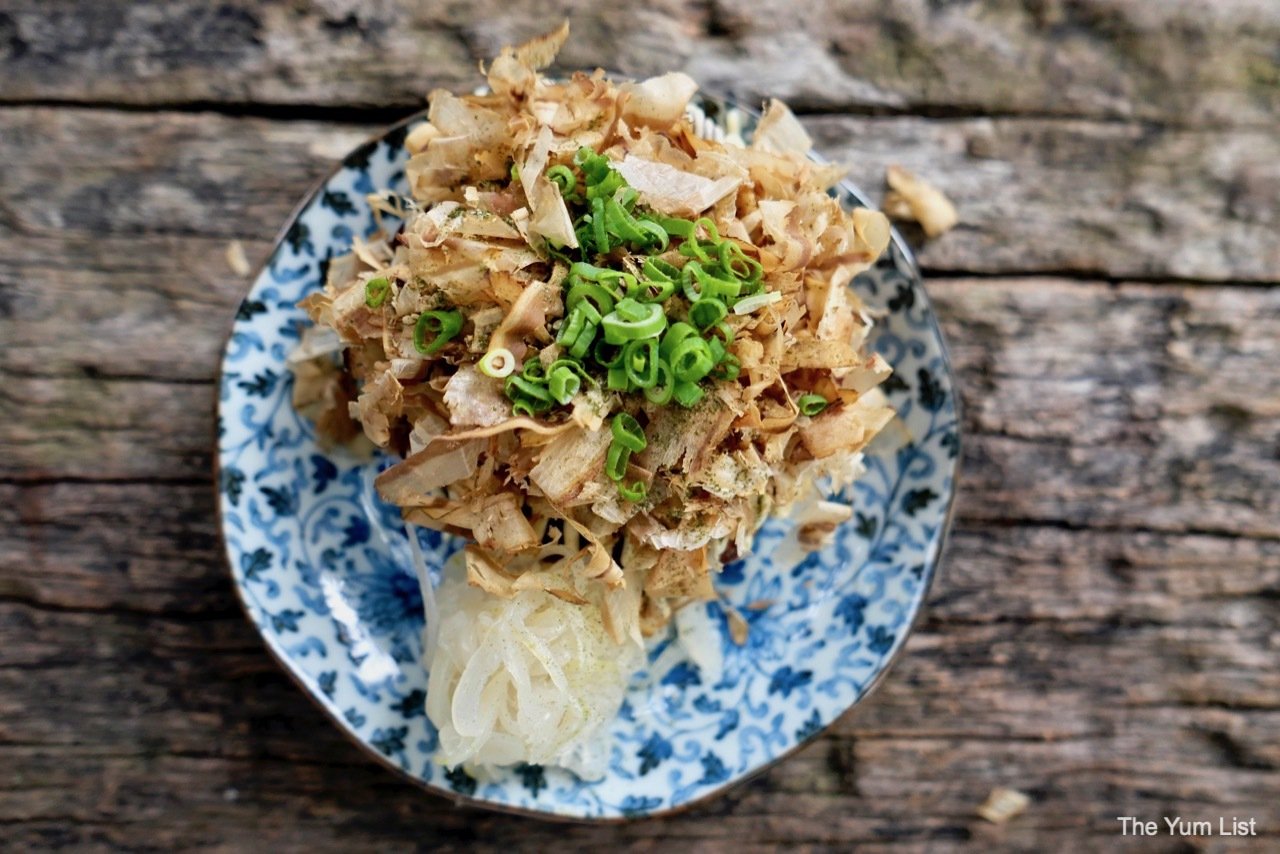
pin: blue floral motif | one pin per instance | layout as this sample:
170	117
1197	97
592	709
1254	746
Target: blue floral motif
389	741
282	500
254	563
683	675
713	770
460	781
356	532
322	472
231	481
881	639
851	609
652	752
811	727
634	807
785	680
532	777
412	705
323	566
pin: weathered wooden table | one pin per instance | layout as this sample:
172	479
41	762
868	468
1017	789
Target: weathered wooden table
1106	630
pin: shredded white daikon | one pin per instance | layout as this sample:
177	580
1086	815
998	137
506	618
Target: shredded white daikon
530	679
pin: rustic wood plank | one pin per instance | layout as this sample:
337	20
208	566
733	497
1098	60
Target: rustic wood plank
1088	199
1094	59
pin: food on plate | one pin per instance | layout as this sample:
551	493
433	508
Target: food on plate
606	350
913	199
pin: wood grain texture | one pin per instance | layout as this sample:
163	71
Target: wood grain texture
1175	62
1105	631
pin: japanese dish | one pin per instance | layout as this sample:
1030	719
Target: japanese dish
604	349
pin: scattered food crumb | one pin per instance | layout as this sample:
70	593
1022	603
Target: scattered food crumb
236	259
911	199
738	628
1003	804
231	794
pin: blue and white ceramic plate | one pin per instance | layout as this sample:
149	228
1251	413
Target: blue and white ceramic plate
323	567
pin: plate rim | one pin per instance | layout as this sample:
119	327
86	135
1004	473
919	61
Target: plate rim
907	255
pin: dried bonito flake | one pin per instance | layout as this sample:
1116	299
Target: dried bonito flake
915	200
591	333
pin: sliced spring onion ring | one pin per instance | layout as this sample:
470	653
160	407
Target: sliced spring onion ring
563	177
746	305
811	404
630	320
615	461
691	360
661	392
375	291
688	394
563	383
707	312
443	325
518	386
499	363
635	493
640	361
627	432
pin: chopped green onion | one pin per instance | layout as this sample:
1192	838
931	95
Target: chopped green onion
811	404
499	363
735	262
523	407
375	292
691	360
656	268
616	379
563	177
746	305
724	330
709	227
571	327
630	320
640	360
657	234
563	383
677	333
606	354
581	345
635	493
688	394
657	290
708	286
533	369
617	281
443	325
679	227
628	432
728	369
517	386
615	461
707	312
593	294
590	272
597	224
661	392
718	350
622	224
